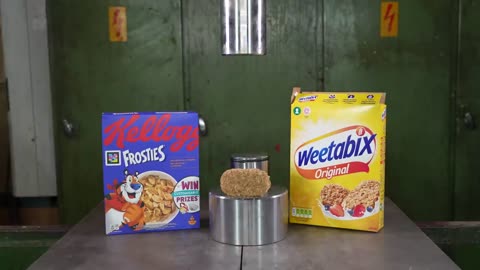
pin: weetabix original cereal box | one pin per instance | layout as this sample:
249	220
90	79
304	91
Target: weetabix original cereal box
337	165
150	171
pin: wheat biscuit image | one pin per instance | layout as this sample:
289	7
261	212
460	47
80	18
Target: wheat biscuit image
332	194
365	193
245	183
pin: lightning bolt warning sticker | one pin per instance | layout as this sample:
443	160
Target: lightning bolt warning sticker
389	19
117	24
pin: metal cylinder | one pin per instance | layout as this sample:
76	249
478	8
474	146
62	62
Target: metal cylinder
257	221
250	161
243	27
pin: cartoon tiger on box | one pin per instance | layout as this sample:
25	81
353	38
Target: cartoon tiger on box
123	206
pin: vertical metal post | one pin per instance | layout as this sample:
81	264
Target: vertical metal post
243	27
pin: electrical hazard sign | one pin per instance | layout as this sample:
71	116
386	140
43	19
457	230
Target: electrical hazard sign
389	19
117	17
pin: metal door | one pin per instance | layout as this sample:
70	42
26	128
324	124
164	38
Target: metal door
467	135
92	75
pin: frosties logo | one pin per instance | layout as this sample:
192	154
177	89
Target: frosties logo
344	151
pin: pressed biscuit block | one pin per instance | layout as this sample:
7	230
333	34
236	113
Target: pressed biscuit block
245	182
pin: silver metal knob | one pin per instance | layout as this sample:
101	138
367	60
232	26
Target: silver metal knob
68	128
469	121
202	126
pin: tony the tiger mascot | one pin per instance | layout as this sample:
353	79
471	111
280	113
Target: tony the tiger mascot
124	206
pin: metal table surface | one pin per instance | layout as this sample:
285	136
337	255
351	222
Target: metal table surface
400	245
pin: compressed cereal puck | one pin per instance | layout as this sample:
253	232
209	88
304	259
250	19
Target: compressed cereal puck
245	183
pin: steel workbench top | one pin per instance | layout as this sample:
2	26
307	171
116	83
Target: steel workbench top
400	245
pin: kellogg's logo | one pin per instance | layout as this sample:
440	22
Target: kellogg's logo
155	128
344	151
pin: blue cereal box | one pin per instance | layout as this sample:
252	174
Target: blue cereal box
150	171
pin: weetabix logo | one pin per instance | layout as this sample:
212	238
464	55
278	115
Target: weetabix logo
344	151
308	98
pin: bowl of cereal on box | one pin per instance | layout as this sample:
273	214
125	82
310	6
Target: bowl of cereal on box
157	196
337	202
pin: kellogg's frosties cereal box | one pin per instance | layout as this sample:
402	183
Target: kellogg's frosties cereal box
150	171
337	165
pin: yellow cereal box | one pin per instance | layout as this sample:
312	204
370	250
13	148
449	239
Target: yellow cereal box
337	164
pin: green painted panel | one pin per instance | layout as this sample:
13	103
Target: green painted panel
92	75
19	248
467	181
414	71
465	256
245	99
19	258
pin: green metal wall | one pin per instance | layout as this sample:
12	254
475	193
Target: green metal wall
92	75
173	61
414	71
